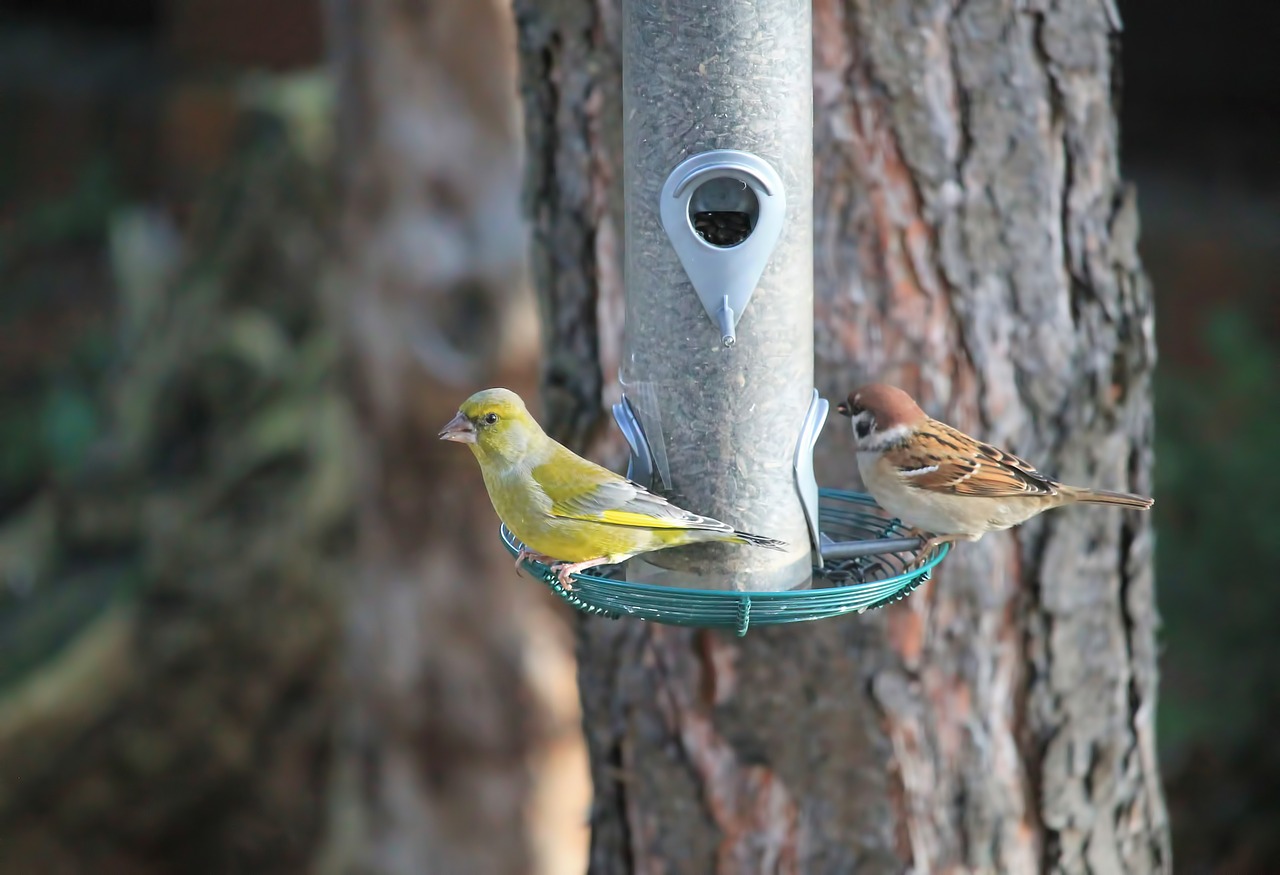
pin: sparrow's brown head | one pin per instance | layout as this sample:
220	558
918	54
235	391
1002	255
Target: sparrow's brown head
879	413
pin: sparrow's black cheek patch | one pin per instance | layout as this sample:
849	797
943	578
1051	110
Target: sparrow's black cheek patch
863	428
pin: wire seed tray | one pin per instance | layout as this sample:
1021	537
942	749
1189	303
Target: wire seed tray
843	586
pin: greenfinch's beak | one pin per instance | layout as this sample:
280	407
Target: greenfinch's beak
459	429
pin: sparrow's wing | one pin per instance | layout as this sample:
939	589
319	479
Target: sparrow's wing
946	460
580	489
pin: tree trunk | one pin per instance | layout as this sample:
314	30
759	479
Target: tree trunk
976	245
452	684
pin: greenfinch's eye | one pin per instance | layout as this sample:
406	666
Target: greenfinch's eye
491	418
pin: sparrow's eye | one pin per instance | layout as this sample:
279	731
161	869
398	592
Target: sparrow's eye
862	427
491	418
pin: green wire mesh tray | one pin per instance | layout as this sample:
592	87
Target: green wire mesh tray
843	586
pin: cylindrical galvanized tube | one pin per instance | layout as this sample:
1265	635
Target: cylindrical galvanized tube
858	549
722	420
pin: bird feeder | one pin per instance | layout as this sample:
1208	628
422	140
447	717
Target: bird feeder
718	403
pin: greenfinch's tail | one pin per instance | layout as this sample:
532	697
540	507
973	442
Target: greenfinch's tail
757	540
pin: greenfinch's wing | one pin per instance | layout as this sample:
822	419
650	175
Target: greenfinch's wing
582	490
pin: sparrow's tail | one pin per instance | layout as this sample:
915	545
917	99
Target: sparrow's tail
1102	496
758	541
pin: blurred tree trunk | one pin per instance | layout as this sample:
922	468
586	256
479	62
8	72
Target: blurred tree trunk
976	245
447	711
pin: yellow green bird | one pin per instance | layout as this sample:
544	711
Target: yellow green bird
570	513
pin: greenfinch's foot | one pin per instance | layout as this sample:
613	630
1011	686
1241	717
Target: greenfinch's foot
564	569
526	553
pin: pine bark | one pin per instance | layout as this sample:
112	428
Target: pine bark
975	244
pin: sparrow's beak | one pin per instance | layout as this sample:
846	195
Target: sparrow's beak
843	408
459	429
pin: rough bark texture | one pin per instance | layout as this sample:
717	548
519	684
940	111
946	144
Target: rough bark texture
976	245
447	709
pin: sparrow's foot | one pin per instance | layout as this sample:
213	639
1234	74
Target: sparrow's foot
938	540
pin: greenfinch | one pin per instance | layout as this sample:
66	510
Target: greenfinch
570	513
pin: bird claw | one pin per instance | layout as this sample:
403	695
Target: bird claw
928	542
563	572
931	543
526	553
520	557
564	569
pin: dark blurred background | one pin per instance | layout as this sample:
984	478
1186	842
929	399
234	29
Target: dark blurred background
148	146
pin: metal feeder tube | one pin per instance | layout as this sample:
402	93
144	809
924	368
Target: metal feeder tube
718	363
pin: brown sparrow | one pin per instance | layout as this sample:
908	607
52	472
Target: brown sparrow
945	483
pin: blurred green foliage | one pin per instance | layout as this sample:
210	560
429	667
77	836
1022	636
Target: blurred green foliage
173	393
47	426
1218	519
49	411
69	422
176	520
80	216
